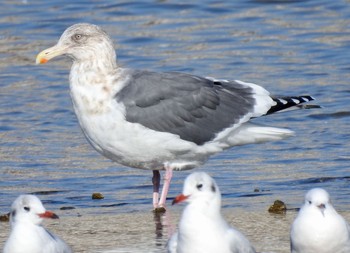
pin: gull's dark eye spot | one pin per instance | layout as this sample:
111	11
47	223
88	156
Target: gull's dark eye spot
13	213
310	202
213	189
26	208
77	37
199	186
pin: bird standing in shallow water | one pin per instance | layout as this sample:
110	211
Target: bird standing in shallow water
27	235
159	121
318	228
202	228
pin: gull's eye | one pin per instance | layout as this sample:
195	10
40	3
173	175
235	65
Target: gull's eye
199	186
310	202
26	208
77	37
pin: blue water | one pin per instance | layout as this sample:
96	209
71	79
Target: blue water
289	47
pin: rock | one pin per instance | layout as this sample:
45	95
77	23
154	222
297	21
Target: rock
278	207
97	195
67	208
5	217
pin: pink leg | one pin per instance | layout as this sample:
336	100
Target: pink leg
167	178
156	184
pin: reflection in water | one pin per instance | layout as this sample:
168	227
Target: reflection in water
159	227
164	227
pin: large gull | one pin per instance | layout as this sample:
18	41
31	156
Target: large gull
27	233
159	121
202	229
318	228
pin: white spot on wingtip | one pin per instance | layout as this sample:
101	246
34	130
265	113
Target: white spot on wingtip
296	101
283	101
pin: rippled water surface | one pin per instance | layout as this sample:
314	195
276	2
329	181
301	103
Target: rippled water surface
289	47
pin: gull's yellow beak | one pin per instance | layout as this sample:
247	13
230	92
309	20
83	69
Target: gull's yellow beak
47	54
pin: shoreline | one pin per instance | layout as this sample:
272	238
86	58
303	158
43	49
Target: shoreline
149	232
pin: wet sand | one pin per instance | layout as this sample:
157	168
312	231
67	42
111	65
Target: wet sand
147	232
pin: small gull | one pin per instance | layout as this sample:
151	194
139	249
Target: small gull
27	235
318	228
159	121
202	228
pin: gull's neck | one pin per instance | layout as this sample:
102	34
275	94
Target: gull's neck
210	208
93	85
24	223
95	67
200	220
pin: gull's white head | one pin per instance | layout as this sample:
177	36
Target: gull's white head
318	199
81	42
199	186
28	208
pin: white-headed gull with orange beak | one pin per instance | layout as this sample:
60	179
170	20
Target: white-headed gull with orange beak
159	121
318	228
202	229
27	234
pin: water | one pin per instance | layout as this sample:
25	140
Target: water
289	47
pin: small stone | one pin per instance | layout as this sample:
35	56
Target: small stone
278	207
97	195
67	208
5	217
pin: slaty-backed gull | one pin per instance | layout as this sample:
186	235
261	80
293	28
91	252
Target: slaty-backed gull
159	121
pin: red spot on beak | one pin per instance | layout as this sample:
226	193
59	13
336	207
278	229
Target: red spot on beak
180	198
48	214
43	60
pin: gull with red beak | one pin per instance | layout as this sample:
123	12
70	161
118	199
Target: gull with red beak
318	228
202	229
27	235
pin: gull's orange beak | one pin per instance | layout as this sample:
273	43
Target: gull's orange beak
180	198
47	54
48	214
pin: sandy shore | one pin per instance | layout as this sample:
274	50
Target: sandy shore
147	232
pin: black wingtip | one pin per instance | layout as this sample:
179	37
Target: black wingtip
290	103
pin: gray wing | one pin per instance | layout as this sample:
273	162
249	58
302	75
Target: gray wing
238	242
56	244
195	108
172	243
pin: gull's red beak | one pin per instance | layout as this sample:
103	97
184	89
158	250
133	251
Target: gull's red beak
180	198
48	214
